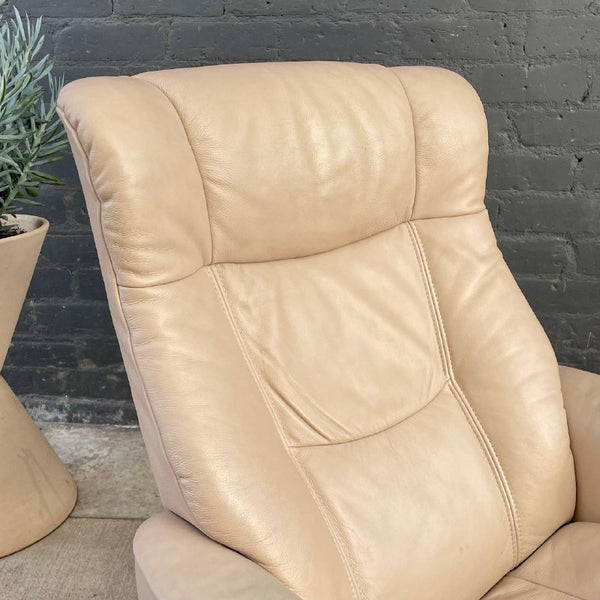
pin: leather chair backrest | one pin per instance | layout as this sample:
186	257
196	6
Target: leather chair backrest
335	373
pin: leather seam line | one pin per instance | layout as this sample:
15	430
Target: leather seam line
547	587
433	398
187	136
259	262
478	429
412	118
476	426
192	273
331	526
367	237
126	322
493	468
430	302
484	441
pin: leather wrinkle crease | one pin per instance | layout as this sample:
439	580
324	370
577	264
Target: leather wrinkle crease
471	417
299	390
433	398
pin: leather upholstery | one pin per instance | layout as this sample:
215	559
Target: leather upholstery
565	567
581	392
334	371
174	560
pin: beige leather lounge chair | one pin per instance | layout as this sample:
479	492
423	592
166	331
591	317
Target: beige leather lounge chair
343	393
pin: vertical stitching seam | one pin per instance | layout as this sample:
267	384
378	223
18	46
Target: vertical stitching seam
430	302
330	523
187	136
485	442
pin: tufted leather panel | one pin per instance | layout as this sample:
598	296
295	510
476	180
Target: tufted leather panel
335	373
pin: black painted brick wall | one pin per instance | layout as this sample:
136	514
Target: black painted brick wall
534	62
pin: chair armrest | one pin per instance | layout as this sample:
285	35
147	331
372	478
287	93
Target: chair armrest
175	561
581	393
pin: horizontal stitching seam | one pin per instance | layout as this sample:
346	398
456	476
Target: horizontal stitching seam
258	262
252	262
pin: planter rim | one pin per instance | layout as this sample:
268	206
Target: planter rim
39	226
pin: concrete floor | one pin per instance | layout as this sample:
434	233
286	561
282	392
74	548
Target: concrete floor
89	556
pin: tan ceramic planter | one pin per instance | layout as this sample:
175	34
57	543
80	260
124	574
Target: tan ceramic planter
36	491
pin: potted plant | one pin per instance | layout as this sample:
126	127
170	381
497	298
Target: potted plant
36	491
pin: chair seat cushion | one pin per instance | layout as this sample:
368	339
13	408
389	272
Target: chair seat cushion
566	566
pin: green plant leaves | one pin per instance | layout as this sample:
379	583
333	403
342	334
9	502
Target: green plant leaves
31	134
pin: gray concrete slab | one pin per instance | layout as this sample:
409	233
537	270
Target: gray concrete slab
83	559
89	556
110	466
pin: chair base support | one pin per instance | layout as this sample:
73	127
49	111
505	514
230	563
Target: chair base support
175	561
